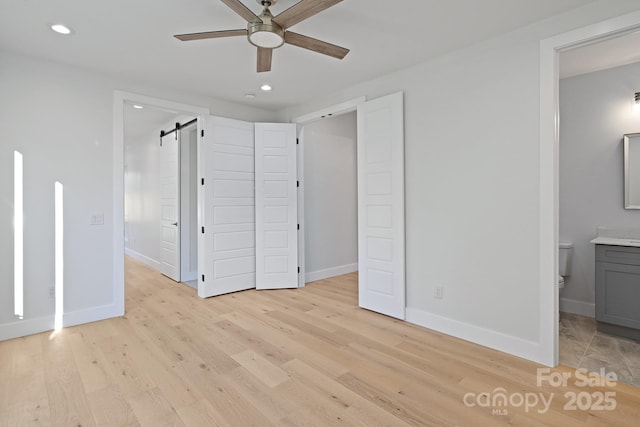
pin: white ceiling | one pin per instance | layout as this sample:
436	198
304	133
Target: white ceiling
139	125
133	40
601	56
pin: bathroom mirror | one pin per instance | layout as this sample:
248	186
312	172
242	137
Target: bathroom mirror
632	171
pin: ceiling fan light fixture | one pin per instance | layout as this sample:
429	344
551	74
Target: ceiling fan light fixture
265	35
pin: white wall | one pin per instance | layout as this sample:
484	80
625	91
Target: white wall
330	197
596	109
61	119
472	182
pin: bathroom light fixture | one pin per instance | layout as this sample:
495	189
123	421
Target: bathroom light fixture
138	107
265	87
61	29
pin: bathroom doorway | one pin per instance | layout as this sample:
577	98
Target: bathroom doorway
596	107
549	166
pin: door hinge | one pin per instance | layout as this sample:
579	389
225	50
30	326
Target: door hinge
202	230
203	277
297	141
202	133
202	181
298	270
297	183
298	226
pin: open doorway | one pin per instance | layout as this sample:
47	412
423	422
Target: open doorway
550	50
329	167
380	200
596	108
163	113
160	190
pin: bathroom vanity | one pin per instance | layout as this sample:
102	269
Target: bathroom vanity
618	286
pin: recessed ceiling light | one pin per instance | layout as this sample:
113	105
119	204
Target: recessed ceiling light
139	107
61	29
265	87
249	95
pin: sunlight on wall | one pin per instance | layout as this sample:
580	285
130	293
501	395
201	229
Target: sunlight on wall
59	255
18	236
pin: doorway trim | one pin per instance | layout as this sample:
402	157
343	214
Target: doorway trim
120	99
331	111
549	167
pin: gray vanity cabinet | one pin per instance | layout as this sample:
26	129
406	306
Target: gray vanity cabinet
618	290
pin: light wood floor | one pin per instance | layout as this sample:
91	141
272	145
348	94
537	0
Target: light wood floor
306	357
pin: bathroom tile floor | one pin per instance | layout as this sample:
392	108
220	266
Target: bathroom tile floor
582	346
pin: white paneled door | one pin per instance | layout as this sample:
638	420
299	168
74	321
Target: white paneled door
381	266
226	243
170	206
276	206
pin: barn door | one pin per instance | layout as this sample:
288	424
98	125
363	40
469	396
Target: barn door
381	286
170	205
276	206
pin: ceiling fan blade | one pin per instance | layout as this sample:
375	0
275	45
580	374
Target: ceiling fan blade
315	45
210	35
242	10
264	59
302	10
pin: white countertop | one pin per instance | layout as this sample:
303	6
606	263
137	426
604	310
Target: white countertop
616	241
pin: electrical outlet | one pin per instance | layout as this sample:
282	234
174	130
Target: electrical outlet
96	219
437	293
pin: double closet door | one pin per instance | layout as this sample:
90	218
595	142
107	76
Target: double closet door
247	206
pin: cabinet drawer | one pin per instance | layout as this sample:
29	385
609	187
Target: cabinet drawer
618	254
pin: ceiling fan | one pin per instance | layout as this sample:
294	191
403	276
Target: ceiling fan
268	32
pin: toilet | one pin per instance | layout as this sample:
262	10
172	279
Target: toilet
564	262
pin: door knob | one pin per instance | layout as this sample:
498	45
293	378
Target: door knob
175	223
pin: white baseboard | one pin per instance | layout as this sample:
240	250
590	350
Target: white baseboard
92	314
21	328
312	276
577	307
516	346
143	258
